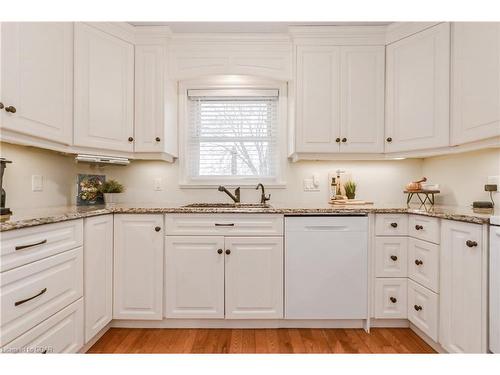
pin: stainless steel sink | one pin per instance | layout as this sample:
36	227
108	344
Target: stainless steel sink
227	205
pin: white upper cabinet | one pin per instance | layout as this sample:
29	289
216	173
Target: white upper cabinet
104	90
37	79
417	98
475	83
340	99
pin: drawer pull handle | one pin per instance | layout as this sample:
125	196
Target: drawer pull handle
393	299
157	229
30	245
419	227
29	299
10	109
219	251
224	225
417	307
394	225
470	243
394	257
228	251
418	262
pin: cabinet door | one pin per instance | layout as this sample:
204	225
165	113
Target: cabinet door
362	99
418	71
254	277
194	277
138	266
98	273
149	98
37	79
463	310
104	84
318	99
475	84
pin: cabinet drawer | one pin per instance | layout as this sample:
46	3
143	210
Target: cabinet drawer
424	228
23	246
423	263
423	309
61	333
224	224
391	256
391	225
32	293
390	298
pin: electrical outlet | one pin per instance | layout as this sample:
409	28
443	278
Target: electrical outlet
157	184
36	183
311	184
494	180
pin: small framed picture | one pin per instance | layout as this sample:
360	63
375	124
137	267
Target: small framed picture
88	193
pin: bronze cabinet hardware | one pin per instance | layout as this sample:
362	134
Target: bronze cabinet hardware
228	251
418	262
344	140
393	300
157	229
29	299
389	139
417	307
419	227
44	352
337	140
219	251
394	257
1	105
224	225
157	139
10	109
130	139
470	243
30	245
394	225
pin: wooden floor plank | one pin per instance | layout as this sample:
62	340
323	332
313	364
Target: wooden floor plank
296	340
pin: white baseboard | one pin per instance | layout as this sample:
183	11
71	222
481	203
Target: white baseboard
94	339
434	345
389	323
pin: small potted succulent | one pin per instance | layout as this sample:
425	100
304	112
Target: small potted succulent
110	190
350	189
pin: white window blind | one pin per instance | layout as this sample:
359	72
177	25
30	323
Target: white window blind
233	133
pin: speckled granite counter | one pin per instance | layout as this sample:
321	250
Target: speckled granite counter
23	218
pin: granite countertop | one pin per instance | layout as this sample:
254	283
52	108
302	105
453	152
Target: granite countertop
29	217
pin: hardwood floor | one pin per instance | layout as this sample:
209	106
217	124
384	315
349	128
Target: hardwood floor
379	340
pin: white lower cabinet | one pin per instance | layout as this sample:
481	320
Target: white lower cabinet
194	277
138	266
390	298
98	273
423	306
423	263
391	256
61	333
463	285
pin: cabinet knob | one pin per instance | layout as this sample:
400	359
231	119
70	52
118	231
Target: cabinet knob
219	251
157	229
419	227
394	225
130	139
10	109
1	105
393	299
417	307
389	139
418	262
228	251
394	257
470	243
344	140
157	139
337	140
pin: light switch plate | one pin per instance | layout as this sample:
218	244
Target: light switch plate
158	185
36	183
310	185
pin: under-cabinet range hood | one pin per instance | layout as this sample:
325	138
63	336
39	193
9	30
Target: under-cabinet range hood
96	159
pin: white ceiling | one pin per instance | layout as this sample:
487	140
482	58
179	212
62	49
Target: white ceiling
245	27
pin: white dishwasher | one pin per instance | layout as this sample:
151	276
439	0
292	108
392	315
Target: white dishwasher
326	267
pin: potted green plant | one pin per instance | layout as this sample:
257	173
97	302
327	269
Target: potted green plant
110	190
350	189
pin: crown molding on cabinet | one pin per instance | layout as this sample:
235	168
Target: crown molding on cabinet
399	30
338	35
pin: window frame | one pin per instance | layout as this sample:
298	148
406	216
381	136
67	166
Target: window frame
231	82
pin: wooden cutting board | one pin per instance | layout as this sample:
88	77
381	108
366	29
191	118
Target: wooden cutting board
348	202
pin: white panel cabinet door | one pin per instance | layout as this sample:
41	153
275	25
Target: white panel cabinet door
417	99
463	309
254	277
98	273
104	90
194	277
362	99
318	99
37	79
475	84
138	266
